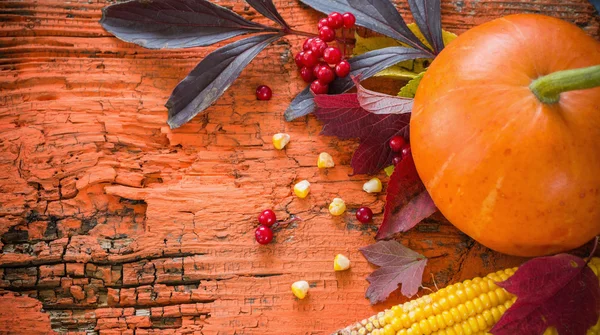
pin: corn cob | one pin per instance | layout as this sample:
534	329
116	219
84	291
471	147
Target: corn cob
470	307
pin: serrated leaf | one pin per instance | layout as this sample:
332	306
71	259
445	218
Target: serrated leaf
381	103
363	66
212	76
558	291
399	265
377	15
427	14
342	116
267	8
410	89
407	202
405	70
175	23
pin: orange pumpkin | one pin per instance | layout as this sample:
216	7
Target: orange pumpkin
518	175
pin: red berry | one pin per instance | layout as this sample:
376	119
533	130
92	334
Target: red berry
396	160
307	74
332	55
263	234
335	20
298	59
310	59
325	75
364	214
349	20
396	143
319	88
405	152
263	92
327	34
307	43
318	46
323	23
267	218
342	68
317	67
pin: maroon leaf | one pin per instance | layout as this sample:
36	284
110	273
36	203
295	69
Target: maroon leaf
399	265
381	103
343	117
267	8
559	291
407	202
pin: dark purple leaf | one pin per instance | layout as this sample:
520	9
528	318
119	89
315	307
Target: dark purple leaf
267	8
172	24
427	14
399	265
212	76
558	291
363	66
407	202
596	4
343	117
381	103
378	15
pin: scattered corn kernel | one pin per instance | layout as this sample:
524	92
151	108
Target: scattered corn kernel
300	289
372	186
301	189
280	140
337	207
325	161
389	170
341	263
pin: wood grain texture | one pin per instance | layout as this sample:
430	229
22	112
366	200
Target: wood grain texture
111	223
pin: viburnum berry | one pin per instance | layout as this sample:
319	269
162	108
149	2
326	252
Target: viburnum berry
325	75
307	43
263	92
364	214
335	20
397	143
263	234
323	23
307	74
298	59
342	68
310	59
318	46
396	160
319	88
405	152
349	20
317	67
267	218
332	55
327	34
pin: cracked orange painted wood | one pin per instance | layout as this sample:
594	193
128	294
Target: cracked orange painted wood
111	223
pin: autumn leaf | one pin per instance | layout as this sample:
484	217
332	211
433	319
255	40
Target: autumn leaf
407	202
398	265
558	291
343	117
381	103
410	89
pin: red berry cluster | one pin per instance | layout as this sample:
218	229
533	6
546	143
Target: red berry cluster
399	145
320	63
264	233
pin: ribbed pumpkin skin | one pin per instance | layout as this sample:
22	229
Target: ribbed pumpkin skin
518	176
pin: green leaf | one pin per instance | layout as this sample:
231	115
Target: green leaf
406	70
389	170
410	89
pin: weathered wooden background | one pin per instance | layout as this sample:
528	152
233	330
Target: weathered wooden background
111	223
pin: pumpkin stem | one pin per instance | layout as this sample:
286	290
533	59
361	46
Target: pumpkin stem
549	87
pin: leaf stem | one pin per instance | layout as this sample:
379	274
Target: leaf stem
290	31
549	87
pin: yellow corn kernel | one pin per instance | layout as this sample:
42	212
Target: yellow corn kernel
325	161
389	330
372	186
341	263
280	140
300	289
302	188
337	207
